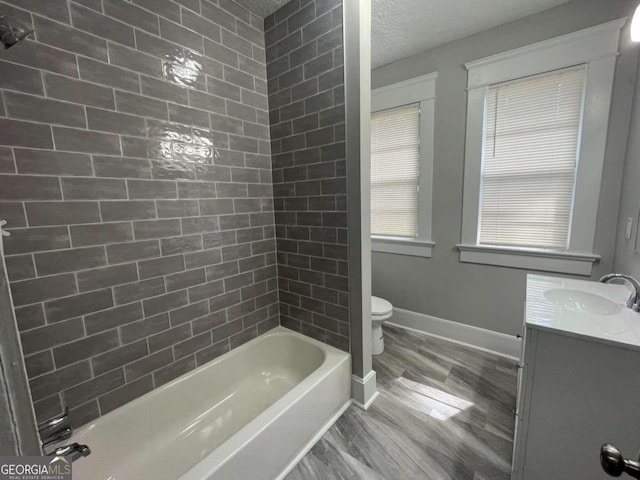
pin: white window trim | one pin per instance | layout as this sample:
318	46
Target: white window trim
416	90
597	47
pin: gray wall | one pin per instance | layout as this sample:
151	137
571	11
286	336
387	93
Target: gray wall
626	261
487	296
136	180
305	61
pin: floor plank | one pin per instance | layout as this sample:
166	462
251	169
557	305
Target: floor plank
445	412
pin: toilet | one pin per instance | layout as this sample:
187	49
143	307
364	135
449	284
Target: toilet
381	310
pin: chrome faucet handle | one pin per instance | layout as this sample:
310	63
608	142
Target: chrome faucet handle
55	422
56	437
73	451
56	429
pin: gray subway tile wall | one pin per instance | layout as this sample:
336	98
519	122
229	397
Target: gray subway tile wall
135	176
304	51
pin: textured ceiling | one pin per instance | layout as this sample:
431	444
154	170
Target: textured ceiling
401	28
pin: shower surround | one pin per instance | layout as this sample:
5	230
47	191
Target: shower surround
136	182
305	68
136	179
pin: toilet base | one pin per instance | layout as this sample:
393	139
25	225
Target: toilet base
377	339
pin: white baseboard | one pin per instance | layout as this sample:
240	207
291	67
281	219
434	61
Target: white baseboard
309	445
363	390
365	406
475	337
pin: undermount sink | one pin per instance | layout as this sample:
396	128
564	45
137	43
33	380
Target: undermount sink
580	301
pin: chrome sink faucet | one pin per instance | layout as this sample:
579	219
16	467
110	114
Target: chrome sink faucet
634	300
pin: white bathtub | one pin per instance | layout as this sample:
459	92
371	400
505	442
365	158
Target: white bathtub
249	414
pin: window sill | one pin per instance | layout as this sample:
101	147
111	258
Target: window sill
401	246
529	259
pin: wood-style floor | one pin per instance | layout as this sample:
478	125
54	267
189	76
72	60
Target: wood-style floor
444	412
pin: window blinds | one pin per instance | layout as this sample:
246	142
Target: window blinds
395	152
531	137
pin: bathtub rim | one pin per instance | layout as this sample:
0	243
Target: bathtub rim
276	331
333	359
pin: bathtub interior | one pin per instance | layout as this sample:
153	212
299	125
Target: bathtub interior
187	419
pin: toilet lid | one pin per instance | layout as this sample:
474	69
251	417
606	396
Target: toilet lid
379	306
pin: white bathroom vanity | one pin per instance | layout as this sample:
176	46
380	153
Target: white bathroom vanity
579	379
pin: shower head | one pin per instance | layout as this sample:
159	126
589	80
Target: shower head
12	31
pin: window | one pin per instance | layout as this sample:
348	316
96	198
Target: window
402	166
395	152
537	120
531	134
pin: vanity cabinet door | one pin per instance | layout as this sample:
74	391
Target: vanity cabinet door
581	394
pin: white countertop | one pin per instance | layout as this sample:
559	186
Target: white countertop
619	326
